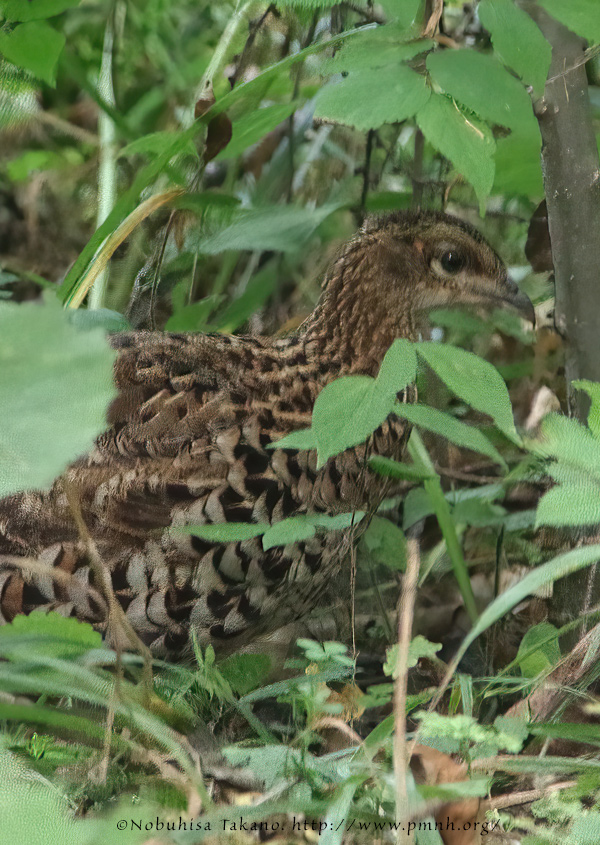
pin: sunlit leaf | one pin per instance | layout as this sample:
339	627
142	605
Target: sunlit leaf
497	96
254	126
464	140
517	40
346	412
360	99
281	228
570	504
581	16
31	10
34	46
539	650
473	380
592	389
226	532
458	432
55	386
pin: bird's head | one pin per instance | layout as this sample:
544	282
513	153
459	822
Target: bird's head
445	261
400	267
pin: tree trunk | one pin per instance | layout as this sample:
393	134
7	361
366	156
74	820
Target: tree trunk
572	186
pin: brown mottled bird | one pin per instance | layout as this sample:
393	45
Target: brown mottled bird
187	446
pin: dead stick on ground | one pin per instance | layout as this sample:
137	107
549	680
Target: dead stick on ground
406	606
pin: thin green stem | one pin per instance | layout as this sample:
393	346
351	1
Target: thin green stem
441	508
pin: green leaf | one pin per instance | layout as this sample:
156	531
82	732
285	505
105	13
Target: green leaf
291	530
346	412
225	532
155	143
398	368
193	318
592	389
31	10
32	809
55	386
304	4
569	442
539	650
98	318
465	141
383	47
245	672
305	438
466	436
419	647
547	573
294	529
21	167
48	633
473	380
337	522
517	40
569	504
362	101
395	469
34	46
402	11
259	289
496	96
254	126
281	228
386	543
519	164
581	16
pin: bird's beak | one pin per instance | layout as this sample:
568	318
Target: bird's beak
514	298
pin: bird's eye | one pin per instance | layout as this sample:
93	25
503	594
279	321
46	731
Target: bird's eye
452	261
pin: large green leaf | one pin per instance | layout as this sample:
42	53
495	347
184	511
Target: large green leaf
581	16
465	141
592	388
254	126
517	40
280	228
55	386
34	46
386	543
346	412
382	47
48	633
483	85
365	100
449	427
539	650
519	164
569	442
31	10
304	438
570	504
473	380
398	368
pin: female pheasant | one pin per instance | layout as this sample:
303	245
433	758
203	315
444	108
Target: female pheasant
187	446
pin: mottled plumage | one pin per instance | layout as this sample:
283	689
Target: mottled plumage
186	445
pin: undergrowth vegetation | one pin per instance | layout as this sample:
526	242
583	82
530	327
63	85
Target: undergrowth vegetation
191	167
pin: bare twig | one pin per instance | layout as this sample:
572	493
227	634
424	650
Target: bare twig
117	620
434	19
401	751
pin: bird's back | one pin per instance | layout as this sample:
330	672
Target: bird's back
187	445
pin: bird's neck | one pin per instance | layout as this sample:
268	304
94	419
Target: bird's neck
357	318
